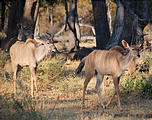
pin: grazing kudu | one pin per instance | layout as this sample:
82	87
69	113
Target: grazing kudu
28	53
107	62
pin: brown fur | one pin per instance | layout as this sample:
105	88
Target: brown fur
132	66
110	62
26	54
130	69
30	41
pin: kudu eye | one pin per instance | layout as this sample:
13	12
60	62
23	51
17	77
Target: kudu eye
133	49
42	43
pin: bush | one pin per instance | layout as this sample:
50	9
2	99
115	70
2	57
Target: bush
143	84
50	71
129	84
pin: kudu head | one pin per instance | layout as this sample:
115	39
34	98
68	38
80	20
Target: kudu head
44	44
24	32
134	50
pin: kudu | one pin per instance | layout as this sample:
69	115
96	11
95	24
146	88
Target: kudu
107	62
28	53
131	69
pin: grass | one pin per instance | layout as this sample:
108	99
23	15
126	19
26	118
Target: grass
52	76
60	94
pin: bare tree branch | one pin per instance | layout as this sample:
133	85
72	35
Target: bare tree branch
118	25
60	31
86	25
88	38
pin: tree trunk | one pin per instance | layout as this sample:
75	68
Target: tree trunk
101	23
72	21
136	18
2	15
15	13
118	25
29	19
131	18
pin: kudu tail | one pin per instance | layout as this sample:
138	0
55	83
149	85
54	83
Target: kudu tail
81	65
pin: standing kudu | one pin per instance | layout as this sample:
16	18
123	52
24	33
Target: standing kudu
28	53
107	62
132	67
138	47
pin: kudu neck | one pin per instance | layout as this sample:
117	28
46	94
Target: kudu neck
40	53
126	60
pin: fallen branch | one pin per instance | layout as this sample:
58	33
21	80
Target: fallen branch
88	38
86	25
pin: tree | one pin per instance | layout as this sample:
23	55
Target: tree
21	21
130	20
72	22
15	15
101	23
118	25
136	16
2	14
28	22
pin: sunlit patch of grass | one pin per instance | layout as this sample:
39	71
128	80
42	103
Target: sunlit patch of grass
23	108
50	71
53	74
3	58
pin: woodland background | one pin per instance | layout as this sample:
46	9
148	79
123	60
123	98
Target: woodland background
75	28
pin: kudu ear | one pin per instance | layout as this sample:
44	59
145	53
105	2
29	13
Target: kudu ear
140	45
38	40
125	44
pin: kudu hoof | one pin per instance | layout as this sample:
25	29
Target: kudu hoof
104	107
120	109
83	106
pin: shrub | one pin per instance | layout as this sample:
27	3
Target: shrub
143	84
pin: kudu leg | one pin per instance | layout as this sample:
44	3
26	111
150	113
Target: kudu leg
87	80
33	80
98	85
14	76
116	84
103	85
109	102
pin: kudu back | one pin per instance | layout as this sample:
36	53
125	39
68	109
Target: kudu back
28	53
107	62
